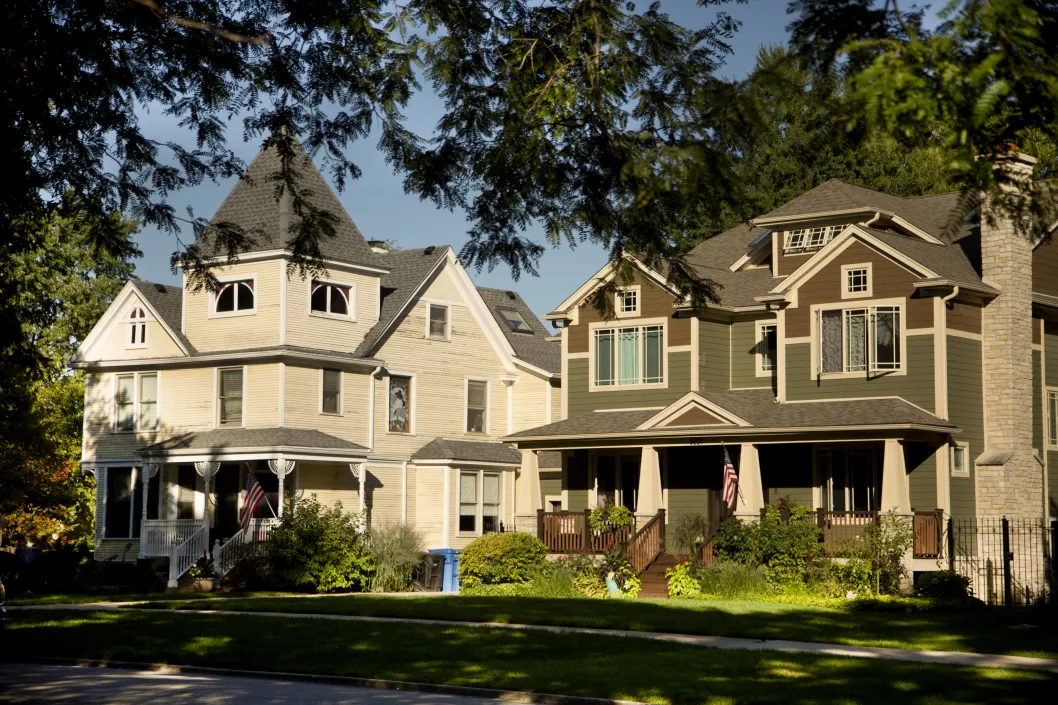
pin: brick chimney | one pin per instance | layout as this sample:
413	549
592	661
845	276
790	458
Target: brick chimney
1009	477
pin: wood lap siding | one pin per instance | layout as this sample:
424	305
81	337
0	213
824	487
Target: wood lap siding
889	280
261	401
964	317
965	411
260	329
581	401
315	331
330	483
656	303
744	350
550	484
111	344
303	404
921	462
1045	268
714	356
578	481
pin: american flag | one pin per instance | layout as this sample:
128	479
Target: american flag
254	495
730	482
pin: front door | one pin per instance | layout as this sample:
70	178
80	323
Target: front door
226	519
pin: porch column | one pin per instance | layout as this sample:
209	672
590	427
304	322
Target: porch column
281	468
895	494
750	487
146	473
527	493
359	471
206	470
649	501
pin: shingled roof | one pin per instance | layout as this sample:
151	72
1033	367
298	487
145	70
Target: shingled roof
531	347
468	452
225	439
253	205
168	301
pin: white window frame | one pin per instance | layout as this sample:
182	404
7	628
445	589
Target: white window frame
414	389
228	279
479	521
341	392
216	396
448	321
488	405
140	323
1050	413
846	269
135	402
965	447
761	356
637	290
351	286
816	370
810	239
642	323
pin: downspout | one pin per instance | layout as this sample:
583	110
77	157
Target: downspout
952	295
371	409
877	215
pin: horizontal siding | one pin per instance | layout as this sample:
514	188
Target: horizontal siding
111	344
529	398
1052	483
581	401
1050	348
233	332
550	485
786	472
744	357
965	398
916	386
302	404
330	483
922	480
261	401
714	356
314	331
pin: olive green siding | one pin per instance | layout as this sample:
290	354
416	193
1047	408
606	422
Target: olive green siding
744	357
1050	352
916	386
1052	483
786	472
692	479
965	400
581	401
578	482
921	464
1037	400
550	484
714	356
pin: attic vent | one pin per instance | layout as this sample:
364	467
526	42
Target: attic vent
511	295
161	288
429	250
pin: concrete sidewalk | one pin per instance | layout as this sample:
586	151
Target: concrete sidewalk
954	658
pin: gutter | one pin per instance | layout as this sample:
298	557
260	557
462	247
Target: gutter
278	354
738	431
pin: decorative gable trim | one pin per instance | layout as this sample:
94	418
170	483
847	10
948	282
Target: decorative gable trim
114	313
694	404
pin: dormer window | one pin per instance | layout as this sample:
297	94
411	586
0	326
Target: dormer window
627	303
235	298
331	299
810	239
137	337
515	321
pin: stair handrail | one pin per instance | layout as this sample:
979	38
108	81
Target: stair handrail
222	559
185	554
646	544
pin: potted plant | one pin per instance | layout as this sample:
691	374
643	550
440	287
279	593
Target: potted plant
199	578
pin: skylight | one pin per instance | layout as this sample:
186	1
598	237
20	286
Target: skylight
515	321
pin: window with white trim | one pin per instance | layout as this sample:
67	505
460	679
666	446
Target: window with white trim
862	339
235	297
136	402
479	501
331	299
1052	417
856	281
137	320
229	397
477	406
399	415
766	347
810	239
331	391
627	303
960	459
629	355
439	322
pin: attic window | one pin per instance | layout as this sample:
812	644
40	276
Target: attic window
810	239
235	297
515	321
627	302
137	337
331	299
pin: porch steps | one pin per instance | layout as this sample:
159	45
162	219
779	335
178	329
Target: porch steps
653	578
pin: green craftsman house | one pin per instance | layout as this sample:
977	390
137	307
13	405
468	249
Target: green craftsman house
863	356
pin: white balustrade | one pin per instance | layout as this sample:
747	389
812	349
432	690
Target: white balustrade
186	554
160	535
225	556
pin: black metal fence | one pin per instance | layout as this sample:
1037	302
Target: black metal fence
1008	561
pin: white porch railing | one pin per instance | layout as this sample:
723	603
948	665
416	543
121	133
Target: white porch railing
160	535
185	554
226	556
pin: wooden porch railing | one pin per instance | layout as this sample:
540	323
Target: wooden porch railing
839	527
929	529
570	532
160	535
646	544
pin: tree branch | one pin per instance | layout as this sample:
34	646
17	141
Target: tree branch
205	26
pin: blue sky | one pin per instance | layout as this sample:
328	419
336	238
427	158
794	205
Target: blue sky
383	211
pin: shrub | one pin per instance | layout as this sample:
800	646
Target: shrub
785	541
551	580
880	549
732	581
396	551
692	532
318	549
494	590
848	576
943	585
683	584
501	558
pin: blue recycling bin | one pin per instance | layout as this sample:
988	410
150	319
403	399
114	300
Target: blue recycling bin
450	575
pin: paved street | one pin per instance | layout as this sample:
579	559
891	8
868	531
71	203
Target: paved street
50	684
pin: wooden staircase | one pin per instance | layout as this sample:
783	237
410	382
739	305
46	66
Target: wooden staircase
653	578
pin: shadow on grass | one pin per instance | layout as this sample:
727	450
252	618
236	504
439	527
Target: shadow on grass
595	666
996	631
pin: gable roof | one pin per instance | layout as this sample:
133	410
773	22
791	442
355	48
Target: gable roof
468	452
168	302
253	205
533	347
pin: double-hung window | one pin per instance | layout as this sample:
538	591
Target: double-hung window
960	459
477	406
479	502
629	355
136	402
766	348
235	297
438	322
229	396
330	299
331	391
861	339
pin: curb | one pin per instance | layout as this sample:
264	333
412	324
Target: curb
512	696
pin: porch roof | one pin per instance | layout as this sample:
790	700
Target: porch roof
761	413
261	441
445	450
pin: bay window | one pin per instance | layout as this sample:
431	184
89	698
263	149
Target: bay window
629	355
862	339
479	502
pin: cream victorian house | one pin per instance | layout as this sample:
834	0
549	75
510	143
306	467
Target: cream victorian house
384	384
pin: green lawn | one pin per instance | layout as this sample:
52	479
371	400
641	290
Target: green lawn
596	666
80	599
993	630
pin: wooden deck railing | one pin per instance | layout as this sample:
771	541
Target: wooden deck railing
647	543
839	527
570	532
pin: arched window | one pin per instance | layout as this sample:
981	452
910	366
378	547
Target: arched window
333	299
235	296
137	320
